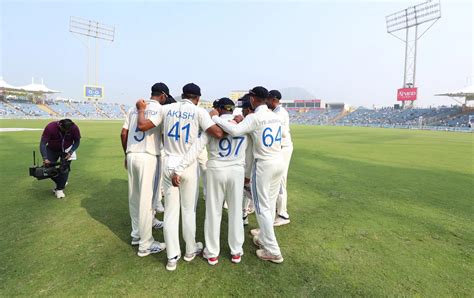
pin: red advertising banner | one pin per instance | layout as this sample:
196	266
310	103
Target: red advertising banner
407	94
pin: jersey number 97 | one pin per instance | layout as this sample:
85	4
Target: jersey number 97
227	145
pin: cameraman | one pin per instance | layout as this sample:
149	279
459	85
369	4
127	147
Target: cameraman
60	140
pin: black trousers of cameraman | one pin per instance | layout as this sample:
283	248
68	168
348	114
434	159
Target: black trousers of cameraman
61	179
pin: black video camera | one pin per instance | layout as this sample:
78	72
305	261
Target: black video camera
53	170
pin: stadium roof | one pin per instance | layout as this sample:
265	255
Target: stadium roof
464	92
33	87
41	88
5	85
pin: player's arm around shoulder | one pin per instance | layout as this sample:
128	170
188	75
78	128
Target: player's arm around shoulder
153	111
246	126
208	125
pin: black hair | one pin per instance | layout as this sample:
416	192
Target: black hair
189	96
66	124
169	100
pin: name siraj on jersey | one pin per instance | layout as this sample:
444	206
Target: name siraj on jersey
182	115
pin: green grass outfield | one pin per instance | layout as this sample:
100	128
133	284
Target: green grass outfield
374	212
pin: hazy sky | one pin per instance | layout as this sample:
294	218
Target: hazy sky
337	50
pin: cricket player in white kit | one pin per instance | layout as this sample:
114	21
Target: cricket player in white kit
273	102
225	180
264	128
157	198
181	124
142	148
247	203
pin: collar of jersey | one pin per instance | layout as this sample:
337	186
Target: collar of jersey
152	101
261	108
185	100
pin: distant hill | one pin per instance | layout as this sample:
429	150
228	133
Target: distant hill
292	93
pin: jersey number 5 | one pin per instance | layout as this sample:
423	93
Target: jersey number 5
136	135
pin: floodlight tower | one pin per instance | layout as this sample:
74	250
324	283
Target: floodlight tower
409	19
97	31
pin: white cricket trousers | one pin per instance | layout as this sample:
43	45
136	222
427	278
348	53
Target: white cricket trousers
224	183
158	183
282	200
141	175
202	160
266	179
184	197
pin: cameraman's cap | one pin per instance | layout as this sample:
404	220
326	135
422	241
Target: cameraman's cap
259	92
226	104
160	88
192	89
274	94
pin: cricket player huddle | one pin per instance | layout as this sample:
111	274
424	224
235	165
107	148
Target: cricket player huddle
247	156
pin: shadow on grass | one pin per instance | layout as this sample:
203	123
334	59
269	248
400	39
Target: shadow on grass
109	206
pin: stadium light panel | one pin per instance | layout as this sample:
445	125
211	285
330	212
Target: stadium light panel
413	16
91	29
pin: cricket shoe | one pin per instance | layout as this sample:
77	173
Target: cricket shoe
154	248
172	263
257	242
59	193
197	251
157	224
255	232
135	241
281	220
210	260
265	255
236	258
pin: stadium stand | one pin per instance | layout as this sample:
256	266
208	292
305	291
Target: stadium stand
426	118
28	108
63	109
389	117
313	116
112	111
19	108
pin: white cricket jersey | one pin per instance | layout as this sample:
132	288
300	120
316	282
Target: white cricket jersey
181	124
285	126
224	152
143	141
263	126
